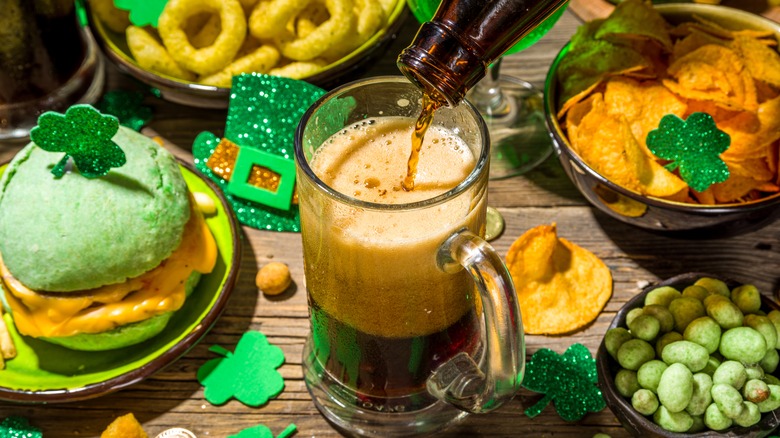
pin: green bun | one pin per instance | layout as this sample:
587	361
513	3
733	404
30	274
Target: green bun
124	335
74	233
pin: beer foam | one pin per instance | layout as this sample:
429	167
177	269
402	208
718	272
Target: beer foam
368	161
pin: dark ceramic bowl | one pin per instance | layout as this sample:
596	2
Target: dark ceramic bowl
649	212
636	423
114	46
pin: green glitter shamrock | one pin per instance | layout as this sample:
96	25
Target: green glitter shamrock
18	427
249	374
142	12
694	146
568	380
83	134
127	107
261	431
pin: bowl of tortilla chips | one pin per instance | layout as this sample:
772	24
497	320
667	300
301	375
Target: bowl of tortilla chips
667	117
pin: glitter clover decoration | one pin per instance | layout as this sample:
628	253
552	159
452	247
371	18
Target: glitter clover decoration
18	427
249	374
142	12
127	106
569	381
84	134
693	146
261	431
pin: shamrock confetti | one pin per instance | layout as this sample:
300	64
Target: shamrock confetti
249	374
263	114
127	107
142	12
694	146
261	431
18	427
569	381
83	134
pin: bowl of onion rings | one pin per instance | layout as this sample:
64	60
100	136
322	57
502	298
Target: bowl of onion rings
199	45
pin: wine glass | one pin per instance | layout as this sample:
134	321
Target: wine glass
511	107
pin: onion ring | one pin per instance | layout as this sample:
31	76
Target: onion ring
299	69
261	60
208	59
269	18
151	55
335	31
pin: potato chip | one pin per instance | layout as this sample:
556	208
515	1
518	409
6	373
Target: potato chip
762	62
125	426
635	19
561	287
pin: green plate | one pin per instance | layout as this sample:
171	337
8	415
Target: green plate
43	372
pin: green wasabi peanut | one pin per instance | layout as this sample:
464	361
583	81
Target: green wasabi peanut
626	382
662	295
632	314
755	391
771	380
754	371
770	360
747	298
732	373
662	314
773	401
632	354
750	415
701	397
715	420
698	424
744	344
688	353
675	388
695	291
649	374
705	332
722	310
774	316
712	364
714	285
728	399
666	339
645	327
672	421
685	310
614	338
644	401
763	325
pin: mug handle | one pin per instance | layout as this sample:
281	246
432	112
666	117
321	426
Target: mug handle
461	381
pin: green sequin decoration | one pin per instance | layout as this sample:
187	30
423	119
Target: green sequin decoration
142	12
18	427
693	146
568	380
127	107
84	134
264	112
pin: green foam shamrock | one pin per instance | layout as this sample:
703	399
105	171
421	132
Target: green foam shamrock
261	431
127	107
694	146
142	12
569	381
18	427
249	374
83	134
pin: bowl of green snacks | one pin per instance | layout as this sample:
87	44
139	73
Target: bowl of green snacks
694	356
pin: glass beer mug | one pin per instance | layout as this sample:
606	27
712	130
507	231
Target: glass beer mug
414	319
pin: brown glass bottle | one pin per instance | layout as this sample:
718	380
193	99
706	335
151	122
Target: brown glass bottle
451	53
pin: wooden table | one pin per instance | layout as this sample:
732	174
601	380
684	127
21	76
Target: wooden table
174	398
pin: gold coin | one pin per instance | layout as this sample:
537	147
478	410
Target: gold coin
494	224
176	432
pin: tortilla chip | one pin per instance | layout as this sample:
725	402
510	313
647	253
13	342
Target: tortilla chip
561	287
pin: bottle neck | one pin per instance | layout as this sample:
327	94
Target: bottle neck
451	53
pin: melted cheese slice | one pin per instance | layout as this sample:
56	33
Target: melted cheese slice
161	290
